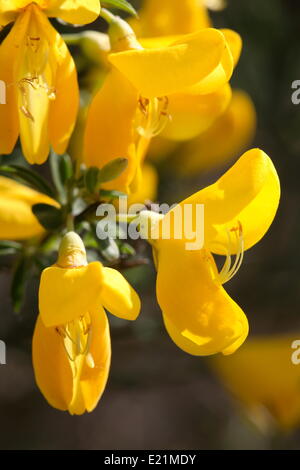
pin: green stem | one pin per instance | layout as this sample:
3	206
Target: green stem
107	16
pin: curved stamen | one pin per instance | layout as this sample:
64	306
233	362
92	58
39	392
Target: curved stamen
152	116
229	270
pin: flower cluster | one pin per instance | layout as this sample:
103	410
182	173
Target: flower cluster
104	110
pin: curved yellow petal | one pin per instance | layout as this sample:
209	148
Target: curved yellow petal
93	379
9	123
158	18
52	371
112	111
65	386
17	221
247	194
200	316
192	114
66	294
234	42
74	11
118	297
64	108
162	71
220	75
227	137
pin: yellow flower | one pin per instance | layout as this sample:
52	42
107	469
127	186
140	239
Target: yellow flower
132	105
231	133
199	315
40	76
263	377
168	17
17	221
71	342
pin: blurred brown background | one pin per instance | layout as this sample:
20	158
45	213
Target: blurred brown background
158	396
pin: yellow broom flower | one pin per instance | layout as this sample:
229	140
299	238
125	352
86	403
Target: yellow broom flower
199	315
132	105
71	342
263	377
40	76
17	221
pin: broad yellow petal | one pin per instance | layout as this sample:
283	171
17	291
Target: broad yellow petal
247	194
192	114
64	108
160	18
162	71
110	130
200	316
66	294
118	297
94	379
52	370
74	11
17	221
230	134
9	53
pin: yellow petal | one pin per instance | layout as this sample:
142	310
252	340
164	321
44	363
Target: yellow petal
118	297
66	294
158	18
148	186
219	76
64	108
166	70
9	123
192	114
93	379
52	371
113	111
234	42
55	374
200	316
74	11
231	133
247	194
17	221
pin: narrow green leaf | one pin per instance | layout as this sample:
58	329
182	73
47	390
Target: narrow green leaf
112	170
127	249
28	177
111	194
49	217
91	179
9	247
65	168
121	5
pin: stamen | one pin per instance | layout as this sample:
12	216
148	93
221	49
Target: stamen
229	271
152	116
76	338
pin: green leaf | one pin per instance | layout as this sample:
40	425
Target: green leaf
91	179
65	168
62	171
49	217
111	194
112	170
28	177
127	249
9	247
121	5
18	286
109	249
